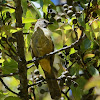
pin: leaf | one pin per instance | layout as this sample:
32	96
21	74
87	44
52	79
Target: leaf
92	70
9	66
95	26
86	44
93	82
81	20
36	8
29	20
79	33
54	27
12	98
98	98
6	29
45	5
24	6
88	56
78	91
89	32
2	95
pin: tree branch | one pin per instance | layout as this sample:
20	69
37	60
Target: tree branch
8	87
31	66
7	5
20	49
7	75
65	95
57	51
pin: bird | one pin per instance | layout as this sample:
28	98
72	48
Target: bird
42	44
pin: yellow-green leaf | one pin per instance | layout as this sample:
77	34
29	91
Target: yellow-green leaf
93	82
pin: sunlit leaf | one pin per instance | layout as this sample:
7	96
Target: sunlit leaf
93	82
6	29
2	95
9	66
89	32
67	27
96	28
29	20
12	98
98	98
1	60
79	33
88	56
36	8
45	5
72	50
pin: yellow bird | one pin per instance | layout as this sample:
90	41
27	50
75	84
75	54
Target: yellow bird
41	44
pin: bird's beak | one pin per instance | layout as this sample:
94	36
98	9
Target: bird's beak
50	23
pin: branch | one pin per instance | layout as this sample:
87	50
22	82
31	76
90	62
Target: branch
8	87
65	95
36	83
7	75
22	68
31	66
7	5
57	51
10	54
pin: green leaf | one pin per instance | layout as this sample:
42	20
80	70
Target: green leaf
7	30
2	95
9	66
36	8
86	44
24	6
12	98
88	56
92	70
78	91
45	5
89	32
54	26
93	82
81	20
29	20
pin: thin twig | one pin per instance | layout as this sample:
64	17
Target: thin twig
67	90
7	6
8	87
71	65
7	75
11	48
36	83
65	95
31	66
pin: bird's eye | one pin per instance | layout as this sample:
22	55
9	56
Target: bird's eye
45	22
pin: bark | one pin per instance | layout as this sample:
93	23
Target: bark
20	50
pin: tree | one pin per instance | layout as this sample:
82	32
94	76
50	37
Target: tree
75	32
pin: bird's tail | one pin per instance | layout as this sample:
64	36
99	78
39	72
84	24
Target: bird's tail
47	66
53	86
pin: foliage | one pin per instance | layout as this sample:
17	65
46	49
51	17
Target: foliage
76	26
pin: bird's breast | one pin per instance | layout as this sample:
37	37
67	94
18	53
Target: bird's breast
41	44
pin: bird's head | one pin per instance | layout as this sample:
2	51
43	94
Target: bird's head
42	23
